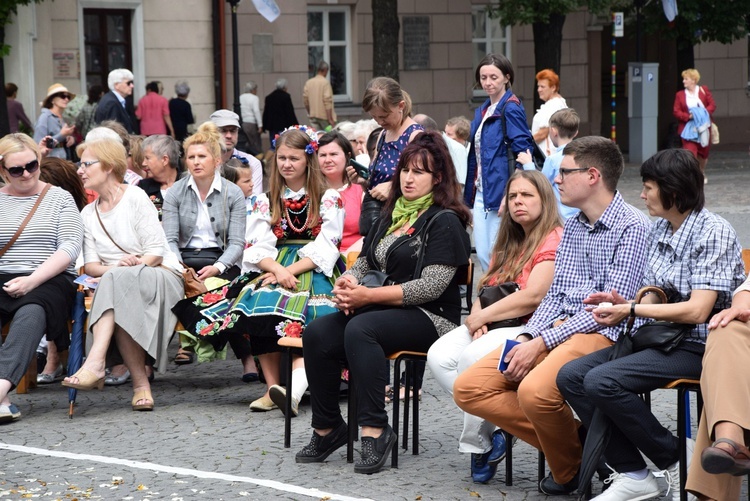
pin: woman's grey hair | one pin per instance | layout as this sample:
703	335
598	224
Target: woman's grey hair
347	129
250	86
181	88
281	83
161	145
117	76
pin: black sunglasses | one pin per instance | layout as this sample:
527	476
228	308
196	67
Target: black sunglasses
17	171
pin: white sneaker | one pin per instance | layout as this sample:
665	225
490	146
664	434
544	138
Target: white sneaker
624	488
672	474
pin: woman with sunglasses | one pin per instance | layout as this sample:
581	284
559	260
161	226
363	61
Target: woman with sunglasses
36	268
50	122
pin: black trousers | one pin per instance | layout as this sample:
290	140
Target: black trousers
614	386
361	343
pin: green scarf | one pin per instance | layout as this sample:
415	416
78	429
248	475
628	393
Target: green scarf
407	211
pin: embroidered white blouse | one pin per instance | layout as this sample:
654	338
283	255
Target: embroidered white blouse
261	242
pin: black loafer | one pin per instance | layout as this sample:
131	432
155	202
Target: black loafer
375	451
549	487
320	448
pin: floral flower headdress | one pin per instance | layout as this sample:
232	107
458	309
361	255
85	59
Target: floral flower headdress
311	133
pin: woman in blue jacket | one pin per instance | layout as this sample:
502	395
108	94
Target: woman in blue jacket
490	162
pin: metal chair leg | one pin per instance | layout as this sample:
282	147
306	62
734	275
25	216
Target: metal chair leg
351	418
508	458
288	414
396	409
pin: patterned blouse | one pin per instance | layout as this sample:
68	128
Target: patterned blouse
386	160
263	242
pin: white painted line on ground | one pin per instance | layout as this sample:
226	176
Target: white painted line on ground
272	484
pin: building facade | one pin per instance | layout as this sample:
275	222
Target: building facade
76	42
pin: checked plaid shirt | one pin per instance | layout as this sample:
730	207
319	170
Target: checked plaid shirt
704	254
610	254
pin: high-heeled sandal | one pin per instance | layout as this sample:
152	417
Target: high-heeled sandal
142	395
87	380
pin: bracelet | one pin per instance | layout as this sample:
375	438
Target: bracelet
632	309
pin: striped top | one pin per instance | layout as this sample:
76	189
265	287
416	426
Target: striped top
56	225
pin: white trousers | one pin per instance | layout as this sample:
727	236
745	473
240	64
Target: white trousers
452	354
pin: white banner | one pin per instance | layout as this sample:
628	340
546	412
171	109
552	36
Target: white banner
670	9
268	9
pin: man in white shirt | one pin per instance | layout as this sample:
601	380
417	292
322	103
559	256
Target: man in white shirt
252	120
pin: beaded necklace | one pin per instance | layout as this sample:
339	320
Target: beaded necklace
296	208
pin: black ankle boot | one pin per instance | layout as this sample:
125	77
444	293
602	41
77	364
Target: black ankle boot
320	448
375	451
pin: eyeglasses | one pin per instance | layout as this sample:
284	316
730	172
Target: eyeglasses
129	82
64	96
86	165
564	172
17	171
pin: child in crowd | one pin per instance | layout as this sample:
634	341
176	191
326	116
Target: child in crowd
563	128
239	174
458	129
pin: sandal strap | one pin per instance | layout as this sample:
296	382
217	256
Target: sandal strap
737	448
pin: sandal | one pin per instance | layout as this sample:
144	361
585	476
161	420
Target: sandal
87	380
142	395
184	357
715	460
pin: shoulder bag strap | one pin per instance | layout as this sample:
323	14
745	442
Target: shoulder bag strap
423	247
96	209
26	220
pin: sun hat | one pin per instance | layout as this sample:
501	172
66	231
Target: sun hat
54	89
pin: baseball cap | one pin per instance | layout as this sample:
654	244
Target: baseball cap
225	118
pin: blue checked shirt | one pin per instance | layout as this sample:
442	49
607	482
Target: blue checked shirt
703	254
610	254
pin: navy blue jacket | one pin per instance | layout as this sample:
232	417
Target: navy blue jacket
495	171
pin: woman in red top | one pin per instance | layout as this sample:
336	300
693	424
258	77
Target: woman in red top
693	95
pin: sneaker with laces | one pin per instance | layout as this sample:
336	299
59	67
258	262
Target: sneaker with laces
672	474
624	488
320	447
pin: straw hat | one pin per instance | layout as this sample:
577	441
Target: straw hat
54	89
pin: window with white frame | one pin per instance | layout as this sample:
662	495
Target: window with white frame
488	36
329	39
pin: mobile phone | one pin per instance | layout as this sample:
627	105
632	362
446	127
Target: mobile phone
50	143
503	365
363	171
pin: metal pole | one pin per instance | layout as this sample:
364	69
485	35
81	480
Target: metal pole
613	74
235	57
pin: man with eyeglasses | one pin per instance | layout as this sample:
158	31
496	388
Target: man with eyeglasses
112	105
228	123
603	248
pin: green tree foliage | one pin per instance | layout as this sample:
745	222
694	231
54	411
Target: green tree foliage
547	18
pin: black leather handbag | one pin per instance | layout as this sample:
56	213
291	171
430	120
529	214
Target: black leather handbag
492	294
662	335
198	258
369	213
375	278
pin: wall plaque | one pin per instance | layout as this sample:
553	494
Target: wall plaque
416	42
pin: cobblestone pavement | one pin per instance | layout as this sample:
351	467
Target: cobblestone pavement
202	442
